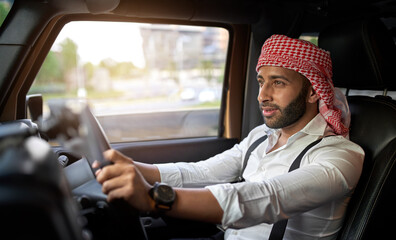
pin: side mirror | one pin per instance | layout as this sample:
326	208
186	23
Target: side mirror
34	106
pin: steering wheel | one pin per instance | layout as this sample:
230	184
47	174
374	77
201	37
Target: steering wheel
96	140
79	131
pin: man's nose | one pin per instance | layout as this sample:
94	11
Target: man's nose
265	93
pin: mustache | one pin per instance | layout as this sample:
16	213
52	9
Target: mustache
267	104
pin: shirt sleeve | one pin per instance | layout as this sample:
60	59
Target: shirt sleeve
332	173
222	168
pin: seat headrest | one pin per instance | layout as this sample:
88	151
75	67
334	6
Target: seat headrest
363	54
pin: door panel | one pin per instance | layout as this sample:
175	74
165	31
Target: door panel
181	150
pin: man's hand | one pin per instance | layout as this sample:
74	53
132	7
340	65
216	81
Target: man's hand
123	180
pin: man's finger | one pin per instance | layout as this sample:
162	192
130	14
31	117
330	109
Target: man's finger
112	185
95	164
107	173
116	194
115	156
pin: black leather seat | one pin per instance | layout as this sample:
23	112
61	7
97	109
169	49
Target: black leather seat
364	58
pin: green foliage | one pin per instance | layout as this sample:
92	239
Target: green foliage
57	66
173	73
89	69
51	77
220	79
118	69
207	69
92	94
50	71
314	40
69	54
4	10
214	104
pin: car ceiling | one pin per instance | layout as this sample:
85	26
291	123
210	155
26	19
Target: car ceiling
232	11
280	15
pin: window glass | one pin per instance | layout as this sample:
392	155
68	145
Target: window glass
142	81
310	37
313	38
371	93
5	7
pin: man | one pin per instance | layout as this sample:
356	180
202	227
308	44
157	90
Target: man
299	105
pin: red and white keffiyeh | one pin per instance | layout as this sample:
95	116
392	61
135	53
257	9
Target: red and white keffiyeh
315	64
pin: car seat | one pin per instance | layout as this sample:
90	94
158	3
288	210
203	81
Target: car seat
364	58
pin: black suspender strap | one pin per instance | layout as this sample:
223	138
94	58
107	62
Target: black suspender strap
278	229
247	155
297	161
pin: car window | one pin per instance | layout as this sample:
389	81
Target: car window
5	7
372	93
142	81
313	38
310	37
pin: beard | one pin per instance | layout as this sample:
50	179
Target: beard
288	115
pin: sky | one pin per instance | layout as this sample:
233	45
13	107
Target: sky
100	40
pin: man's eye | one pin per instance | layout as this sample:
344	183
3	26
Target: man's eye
278	83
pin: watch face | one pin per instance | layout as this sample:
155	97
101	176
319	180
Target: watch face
165	193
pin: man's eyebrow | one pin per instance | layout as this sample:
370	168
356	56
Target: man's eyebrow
274	77
279	76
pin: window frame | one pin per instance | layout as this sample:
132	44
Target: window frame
227	128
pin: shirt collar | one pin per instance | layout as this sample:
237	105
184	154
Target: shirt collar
317	126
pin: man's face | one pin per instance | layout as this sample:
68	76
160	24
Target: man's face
282	96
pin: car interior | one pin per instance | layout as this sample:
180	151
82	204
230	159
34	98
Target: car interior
44	197
366	42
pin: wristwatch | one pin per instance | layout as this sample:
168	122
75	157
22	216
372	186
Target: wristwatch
163	195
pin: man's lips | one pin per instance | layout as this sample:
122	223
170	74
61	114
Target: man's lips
268	109
268	112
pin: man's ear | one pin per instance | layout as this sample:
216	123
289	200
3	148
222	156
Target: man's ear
313	97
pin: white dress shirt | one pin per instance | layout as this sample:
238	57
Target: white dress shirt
313	197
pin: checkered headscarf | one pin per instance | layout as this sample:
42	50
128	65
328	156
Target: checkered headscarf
315	64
